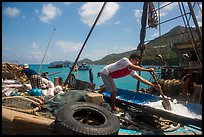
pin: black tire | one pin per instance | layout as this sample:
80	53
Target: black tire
83	118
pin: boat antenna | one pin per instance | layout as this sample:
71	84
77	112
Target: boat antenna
46	51
68	77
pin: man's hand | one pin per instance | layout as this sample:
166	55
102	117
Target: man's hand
151	69
157	86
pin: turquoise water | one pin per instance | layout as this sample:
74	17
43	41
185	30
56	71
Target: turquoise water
125	83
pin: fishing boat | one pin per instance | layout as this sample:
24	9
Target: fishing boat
55	66
66	65
137	116
83	66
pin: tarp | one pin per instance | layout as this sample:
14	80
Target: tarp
68	97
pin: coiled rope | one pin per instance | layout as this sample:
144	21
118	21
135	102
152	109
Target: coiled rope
33	100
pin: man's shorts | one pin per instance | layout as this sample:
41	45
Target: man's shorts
108	82
36	81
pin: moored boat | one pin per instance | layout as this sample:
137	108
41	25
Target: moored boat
55	66
83	66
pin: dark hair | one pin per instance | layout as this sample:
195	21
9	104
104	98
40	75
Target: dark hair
44	73
134	56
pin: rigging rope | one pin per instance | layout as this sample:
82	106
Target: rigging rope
45	52
33	100
66	81
199	7
189	30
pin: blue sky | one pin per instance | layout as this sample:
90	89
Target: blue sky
27	28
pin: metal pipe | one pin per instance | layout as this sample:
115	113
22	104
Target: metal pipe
192	36
171	19
163	6
195	21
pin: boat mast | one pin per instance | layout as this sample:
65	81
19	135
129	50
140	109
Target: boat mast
97	18
141	45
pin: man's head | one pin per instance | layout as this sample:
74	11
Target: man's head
134	58
25	66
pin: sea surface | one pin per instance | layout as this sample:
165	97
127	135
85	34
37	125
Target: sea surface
125	83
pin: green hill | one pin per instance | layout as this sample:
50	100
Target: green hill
160	45
87	61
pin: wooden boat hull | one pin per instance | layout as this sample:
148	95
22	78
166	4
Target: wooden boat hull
18	123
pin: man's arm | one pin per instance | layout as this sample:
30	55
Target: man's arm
22	73
138	68
143	80
138	77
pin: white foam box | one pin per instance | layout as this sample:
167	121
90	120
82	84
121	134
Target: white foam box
95	98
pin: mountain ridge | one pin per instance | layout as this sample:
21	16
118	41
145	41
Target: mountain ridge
175	35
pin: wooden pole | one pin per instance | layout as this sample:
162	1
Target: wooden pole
68	77
141	45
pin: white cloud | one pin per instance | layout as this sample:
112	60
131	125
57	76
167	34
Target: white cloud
34	55
170	6
123	49
12	12
5	48
34	45
23	17
97	54
67	3
36	11
199	16
68	46
200	23
115	48
90	10
138	15
156	34
200	5
127	29
117	22
49	12
164	11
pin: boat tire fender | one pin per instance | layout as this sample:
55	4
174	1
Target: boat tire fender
84	118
